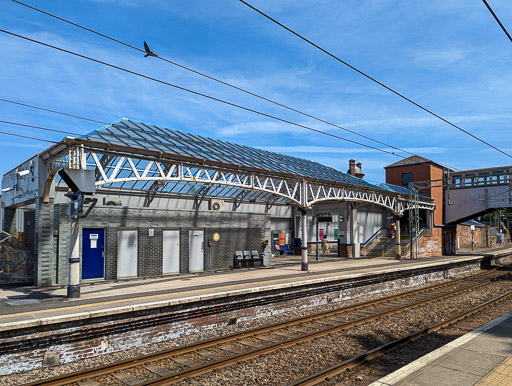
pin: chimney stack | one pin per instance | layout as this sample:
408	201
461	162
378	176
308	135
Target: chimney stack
351	167
355	169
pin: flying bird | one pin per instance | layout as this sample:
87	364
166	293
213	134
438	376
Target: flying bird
148	51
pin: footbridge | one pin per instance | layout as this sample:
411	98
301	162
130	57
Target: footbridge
471	193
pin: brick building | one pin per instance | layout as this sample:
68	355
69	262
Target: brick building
417	169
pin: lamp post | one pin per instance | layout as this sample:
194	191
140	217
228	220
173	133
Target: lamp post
81	185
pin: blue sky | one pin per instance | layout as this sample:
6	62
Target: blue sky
449	56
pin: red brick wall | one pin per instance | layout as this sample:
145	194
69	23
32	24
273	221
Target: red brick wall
424	172
16	361
464	235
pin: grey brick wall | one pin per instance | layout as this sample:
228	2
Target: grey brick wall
61	212
150	252
30	230
45	253
220	254
237	230
110	253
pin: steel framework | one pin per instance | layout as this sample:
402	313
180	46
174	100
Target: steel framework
124	167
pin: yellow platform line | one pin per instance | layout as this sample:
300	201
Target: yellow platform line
501	375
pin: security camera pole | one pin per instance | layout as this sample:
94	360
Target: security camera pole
80	183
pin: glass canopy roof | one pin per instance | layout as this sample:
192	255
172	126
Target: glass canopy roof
147	136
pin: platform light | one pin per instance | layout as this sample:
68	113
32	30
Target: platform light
79	180
23	172
7	189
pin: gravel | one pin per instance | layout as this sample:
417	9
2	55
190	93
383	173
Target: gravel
306	358
287	364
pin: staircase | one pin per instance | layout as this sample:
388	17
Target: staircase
385	246
380	244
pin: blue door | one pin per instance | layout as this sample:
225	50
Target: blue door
93	257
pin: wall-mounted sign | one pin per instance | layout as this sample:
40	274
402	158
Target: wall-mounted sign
151	232
216	236
93	236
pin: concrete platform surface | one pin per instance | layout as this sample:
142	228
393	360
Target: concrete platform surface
482	357
28	306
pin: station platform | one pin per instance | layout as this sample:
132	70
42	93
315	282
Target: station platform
482	357
26	307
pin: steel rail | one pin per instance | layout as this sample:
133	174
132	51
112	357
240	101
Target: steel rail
350	363
224	362
126	364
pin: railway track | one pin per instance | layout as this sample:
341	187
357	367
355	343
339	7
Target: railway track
177	364
350	363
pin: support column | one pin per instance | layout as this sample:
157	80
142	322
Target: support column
397	239
74	260
317	258
77	160
354	233
304	264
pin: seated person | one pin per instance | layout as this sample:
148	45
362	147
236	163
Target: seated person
277	248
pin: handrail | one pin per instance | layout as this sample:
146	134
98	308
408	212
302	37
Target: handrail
418	235
373	236
372	241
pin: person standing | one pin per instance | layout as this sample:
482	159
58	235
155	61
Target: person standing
325	245
392	229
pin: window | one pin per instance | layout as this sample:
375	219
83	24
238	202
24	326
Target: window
406	178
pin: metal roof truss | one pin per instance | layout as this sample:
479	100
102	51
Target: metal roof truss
176	176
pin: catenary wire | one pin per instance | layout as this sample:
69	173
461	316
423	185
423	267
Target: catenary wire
27	137
373	79
220	81
51	111
39	127
214	79
497	20
197	93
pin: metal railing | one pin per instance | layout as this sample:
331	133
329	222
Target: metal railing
474	178
374	240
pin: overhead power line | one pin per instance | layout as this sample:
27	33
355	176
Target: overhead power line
39	127
497	20
213	78
27	137
196	92
373	79
51	111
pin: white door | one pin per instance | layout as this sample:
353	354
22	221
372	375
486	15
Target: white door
171	251
127	253
196	250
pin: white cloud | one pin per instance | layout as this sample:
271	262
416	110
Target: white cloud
439	57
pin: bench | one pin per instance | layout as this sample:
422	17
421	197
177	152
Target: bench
246	257
286	249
